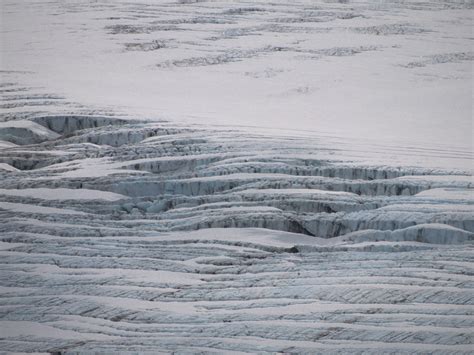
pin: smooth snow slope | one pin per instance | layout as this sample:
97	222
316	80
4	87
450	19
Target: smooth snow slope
396	71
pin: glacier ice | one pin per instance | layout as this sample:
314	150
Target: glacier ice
180	238
140	214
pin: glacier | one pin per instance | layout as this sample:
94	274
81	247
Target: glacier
231	177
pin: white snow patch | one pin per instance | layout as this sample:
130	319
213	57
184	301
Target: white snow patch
448	194
25	208
8	167
38	330
63	194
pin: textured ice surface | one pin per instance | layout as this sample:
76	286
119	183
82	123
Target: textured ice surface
214	240
129	223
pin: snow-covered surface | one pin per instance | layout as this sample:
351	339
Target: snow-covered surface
63	194
25	132
447	194
402	70
142	210
20	208
7	167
